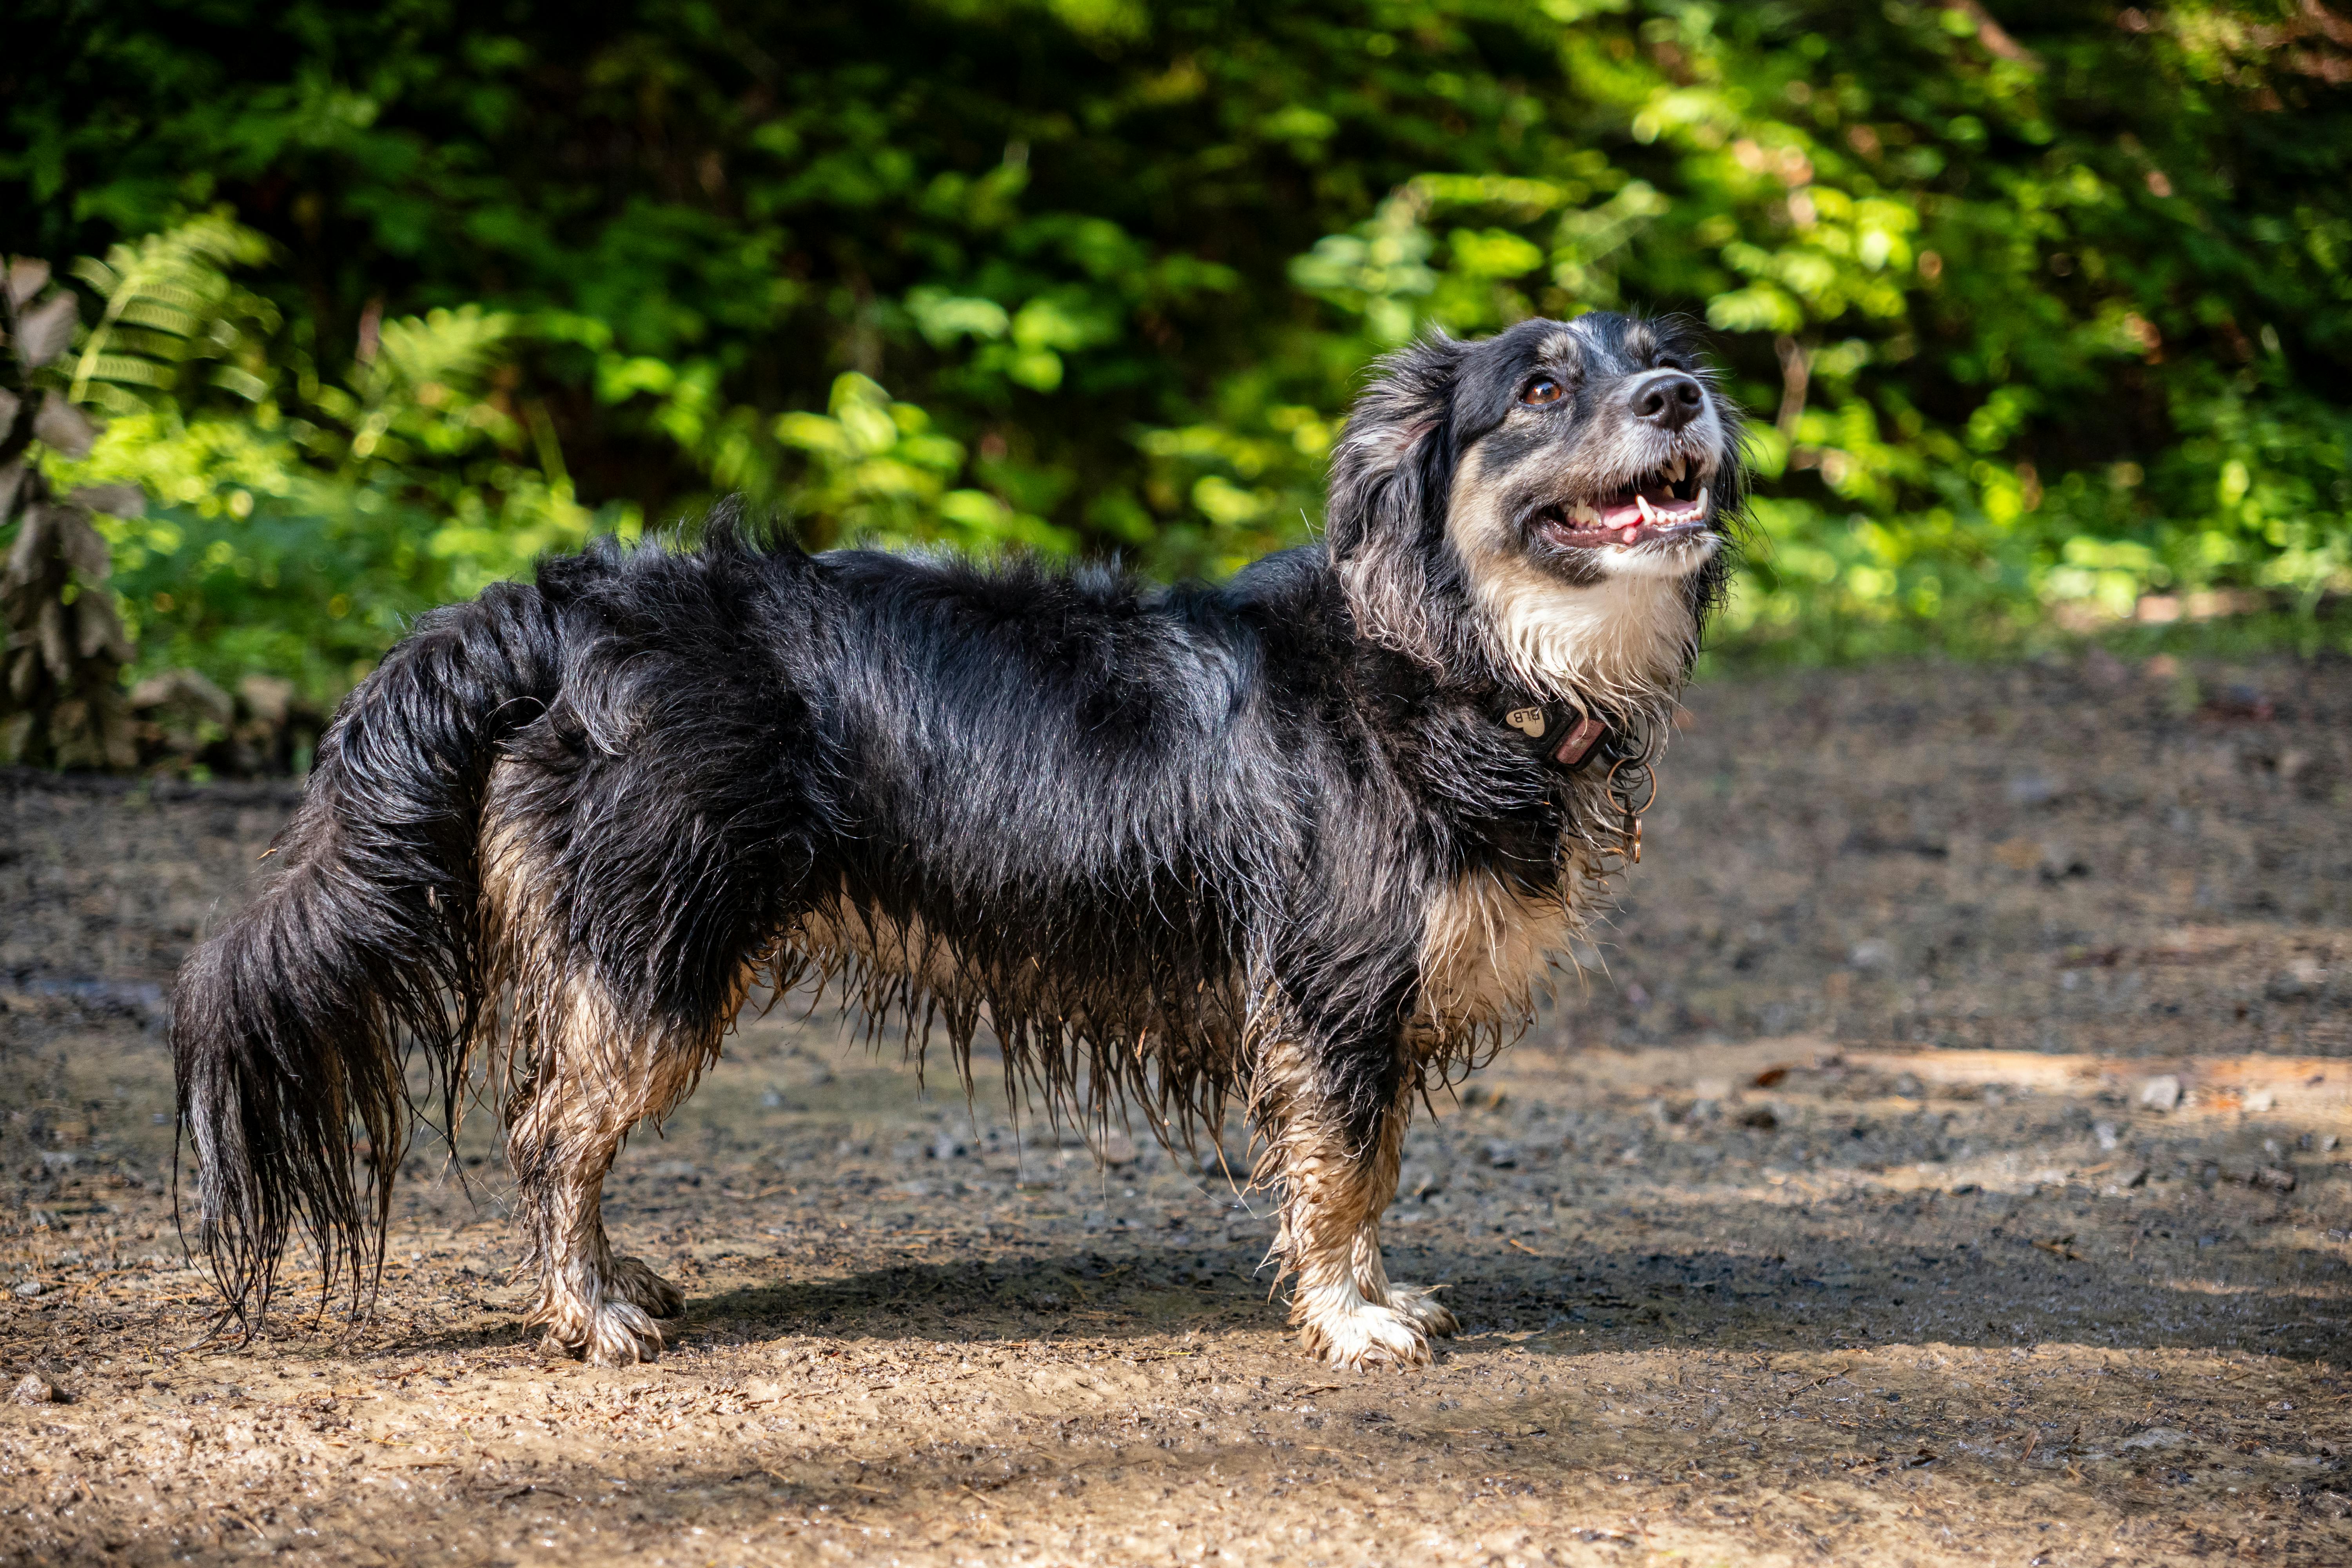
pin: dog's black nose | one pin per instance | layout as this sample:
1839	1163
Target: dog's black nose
1668	399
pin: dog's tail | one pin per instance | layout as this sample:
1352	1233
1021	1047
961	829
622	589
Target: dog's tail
292	1026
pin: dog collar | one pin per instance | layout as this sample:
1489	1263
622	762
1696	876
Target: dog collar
1567	739
1562	736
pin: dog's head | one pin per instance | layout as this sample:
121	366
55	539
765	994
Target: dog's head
1552	503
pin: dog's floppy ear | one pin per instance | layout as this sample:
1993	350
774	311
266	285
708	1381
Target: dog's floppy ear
1385	521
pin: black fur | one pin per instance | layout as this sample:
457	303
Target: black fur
1150	828
288	1027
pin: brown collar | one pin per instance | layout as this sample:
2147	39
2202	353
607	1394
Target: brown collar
1560	735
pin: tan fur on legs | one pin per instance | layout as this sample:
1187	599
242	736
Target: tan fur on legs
582	1077
1419	1304
1332	1194
633	1281
591	1303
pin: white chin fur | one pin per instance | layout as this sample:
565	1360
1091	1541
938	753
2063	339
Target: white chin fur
1674	563
1625	639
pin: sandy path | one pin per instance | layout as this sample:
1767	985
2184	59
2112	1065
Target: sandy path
1832	1289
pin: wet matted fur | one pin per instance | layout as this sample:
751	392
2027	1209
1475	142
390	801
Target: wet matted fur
1290	842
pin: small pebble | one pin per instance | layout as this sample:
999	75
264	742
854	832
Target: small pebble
2161	1093
35	1390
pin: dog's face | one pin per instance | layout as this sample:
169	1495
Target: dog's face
1588	449
1562	490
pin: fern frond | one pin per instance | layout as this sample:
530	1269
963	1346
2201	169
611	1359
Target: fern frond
452	348
168	301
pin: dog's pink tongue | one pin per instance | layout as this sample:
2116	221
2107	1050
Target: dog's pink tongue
1620	516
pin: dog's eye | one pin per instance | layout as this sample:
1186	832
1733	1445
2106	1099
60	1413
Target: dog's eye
1543	389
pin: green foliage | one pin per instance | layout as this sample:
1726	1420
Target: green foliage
879	471
295	523
2044	312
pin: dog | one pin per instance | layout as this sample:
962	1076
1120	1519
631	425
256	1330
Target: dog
1302	844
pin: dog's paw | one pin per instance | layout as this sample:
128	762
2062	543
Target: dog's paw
1419	1304
621	1334
1356	1333
631	1281
610	1333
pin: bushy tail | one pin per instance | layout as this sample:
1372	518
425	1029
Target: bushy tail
290	1028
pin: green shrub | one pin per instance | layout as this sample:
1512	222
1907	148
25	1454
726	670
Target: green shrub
2044	314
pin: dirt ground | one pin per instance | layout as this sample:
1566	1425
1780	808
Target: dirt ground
1939	1162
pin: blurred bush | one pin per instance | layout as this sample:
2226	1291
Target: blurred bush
62	648
2044	312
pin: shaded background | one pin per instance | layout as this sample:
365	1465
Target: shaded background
2042	313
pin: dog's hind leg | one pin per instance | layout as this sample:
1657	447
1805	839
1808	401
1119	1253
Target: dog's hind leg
595	1078
1334	1179
582	1068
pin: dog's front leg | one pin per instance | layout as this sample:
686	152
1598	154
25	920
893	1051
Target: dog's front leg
1336	1175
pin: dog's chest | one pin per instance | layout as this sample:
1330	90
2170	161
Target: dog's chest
1486	951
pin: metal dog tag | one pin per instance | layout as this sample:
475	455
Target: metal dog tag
1529	721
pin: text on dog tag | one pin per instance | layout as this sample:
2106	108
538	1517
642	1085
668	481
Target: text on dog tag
1529	721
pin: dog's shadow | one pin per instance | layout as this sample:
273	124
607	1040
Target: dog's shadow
1579	1298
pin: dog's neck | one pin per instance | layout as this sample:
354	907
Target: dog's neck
1625	643
1622	647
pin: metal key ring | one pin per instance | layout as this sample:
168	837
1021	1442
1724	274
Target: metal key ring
1611	784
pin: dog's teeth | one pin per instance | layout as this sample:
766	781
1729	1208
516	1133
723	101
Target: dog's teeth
1584	515
1649	512
1674	471
1698	507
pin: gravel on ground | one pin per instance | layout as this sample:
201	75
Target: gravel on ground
1938	1159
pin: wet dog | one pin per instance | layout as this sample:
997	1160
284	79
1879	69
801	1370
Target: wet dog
1306	842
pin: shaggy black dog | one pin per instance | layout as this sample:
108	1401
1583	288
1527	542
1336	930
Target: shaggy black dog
1309	839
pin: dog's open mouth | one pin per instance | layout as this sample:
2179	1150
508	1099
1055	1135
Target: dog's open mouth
1664	504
